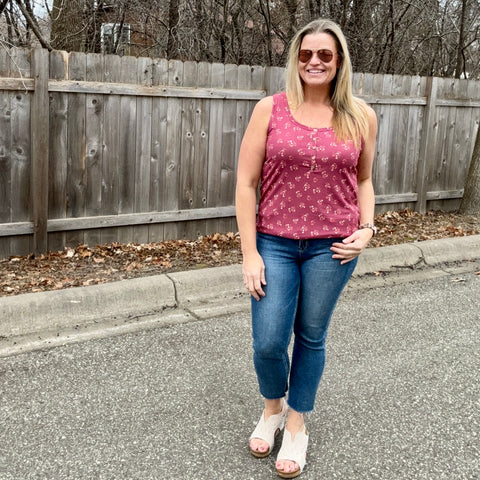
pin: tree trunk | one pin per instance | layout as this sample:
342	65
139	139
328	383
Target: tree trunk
66	25
461	41
173	17
471	195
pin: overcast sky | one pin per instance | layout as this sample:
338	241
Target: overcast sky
39	7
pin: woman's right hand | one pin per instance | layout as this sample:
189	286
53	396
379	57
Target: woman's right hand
253	270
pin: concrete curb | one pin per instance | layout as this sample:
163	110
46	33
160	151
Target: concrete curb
195	294
211	291
57	310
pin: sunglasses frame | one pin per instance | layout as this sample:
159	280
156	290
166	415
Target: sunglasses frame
320	52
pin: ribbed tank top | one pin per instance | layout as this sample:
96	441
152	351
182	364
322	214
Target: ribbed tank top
309	180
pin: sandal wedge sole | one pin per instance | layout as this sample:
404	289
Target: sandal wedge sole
293	474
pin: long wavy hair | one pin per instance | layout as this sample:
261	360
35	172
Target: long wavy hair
350	120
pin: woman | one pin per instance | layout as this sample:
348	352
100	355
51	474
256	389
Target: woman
312	146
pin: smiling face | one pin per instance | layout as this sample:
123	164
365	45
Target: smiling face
315	72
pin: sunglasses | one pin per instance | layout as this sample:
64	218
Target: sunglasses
325	56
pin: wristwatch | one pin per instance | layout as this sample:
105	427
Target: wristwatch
371	226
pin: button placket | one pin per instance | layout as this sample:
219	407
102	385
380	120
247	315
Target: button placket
314	147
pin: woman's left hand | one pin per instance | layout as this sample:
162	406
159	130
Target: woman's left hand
352	246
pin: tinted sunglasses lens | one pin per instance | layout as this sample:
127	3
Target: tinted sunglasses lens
305	55
325	55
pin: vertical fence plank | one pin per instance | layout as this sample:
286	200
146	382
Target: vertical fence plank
459	156
401	86
5	154
275	80
453	164
143	148
111	140
76	173
127	153
94	129
201	139
39	150
20	149
158	148
387	125
428	132
57	190
228	160
215	145
244	82
173	146
412	140
188	133
377	86
438	147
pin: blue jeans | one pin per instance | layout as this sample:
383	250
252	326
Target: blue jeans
304	283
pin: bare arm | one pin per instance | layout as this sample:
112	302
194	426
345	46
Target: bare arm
250	162
353	245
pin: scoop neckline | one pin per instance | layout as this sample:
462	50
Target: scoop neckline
294	120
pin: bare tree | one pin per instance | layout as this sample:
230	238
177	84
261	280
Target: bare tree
411	37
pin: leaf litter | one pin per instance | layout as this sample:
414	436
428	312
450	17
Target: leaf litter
93	265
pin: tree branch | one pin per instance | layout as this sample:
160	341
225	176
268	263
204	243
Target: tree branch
3	5
34	26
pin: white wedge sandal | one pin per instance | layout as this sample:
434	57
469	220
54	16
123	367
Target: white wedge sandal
294	451
268	430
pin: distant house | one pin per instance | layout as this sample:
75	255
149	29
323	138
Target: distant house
103	28
124	34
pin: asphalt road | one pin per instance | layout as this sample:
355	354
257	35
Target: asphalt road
400	398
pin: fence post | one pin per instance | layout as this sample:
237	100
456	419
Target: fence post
274	80
426	141
39	128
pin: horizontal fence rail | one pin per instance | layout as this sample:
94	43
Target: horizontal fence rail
97	149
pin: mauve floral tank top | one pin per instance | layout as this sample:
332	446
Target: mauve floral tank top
309	180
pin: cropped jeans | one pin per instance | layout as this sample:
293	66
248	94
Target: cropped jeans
303	285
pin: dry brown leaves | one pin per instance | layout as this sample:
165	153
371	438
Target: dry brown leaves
84	265
407	226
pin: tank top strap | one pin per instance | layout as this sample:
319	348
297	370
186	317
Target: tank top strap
280	110
280	103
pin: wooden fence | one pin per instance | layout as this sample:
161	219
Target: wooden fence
97	149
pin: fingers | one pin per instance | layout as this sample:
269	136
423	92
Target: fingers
254	275
346	252
254	284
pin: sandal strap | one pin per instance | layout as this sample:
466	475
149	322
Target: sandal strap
265	430
296	450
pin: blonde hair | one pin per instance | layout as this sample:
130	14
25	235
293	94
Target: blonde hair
350	120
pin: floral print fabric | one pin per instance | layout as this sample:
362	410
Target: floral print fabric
309	180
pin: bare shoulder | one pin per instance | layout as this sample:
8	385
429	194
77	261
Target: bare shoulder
261	115
264	106
369	112
371	115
